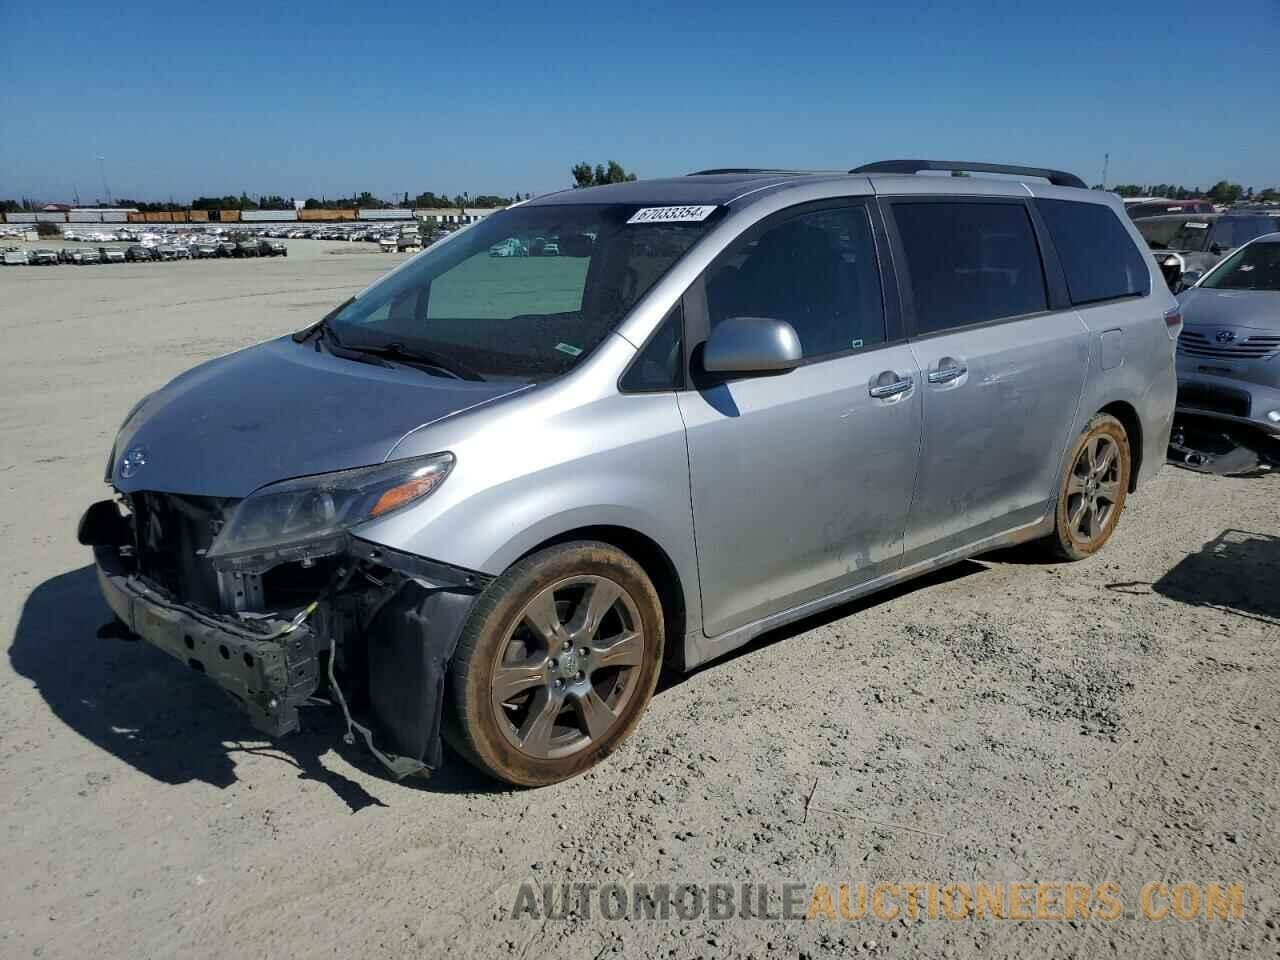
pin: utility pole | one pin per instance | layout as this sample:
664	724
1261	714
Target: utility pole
102	168
1106	162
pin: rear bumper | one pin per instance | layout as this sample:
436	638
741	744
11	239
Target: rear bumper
271	671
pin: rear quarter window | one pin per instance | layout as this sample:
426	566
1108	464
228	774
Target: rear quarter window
1098	256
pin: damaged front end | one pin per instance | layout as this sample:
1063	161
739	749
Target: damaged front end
329	618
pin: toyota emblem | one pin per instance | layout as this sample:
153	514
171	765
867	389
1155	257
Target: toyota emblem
1225	336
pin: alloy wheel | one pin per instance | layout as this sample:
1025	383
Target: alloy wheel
1093	489
568	665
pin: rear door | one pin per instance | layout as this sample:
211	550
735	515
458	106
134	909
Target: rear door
801	481
1004	360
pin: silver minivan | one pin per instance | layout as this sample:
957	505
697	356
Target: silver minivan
488	498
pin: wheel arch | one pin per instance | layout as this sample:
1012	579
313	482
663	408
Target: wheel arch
657	565
1127	414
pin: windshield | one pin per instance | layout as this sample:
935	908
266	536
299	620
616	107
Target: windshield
526	293
1255	267
1179	234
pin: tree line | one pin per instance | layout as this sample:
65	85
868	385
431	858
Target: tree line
1221	192
582	175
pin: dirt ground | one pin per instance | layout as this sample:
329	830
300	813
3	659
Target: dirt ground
1002	721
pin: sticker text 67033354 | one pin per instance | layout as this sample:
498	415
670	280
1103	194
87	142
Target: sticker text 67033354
687	214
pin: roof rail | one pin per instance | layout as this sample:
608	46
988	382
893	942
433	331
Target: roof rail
707	173
1058	178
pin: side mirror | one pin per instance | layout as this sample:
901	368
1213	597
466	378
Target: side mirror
1189	280
1217	249
1171	268
752	345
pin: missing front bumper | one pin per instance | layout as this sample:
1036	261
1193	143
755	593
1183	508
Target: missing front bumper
395	618
270	673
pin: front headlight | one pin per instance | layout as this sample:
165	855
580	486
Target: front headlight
312	512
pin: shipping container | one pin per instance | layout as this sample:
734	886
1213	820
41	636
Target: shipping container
20	216
198	216
267	216
326	214
385	214
58	217
229	216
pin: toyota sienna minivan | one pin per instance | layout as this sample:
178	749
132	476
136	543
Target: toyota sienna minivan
488	498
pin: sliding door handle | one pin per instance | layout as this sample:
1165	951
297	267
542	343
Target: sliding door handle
948	373
885	390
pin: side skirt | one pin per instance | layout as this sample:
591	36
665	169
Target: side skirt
700	649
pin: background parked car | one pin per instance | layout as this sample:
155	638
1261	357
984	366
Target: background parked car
137	253
204	250
43	256
1156	208
15	258
245	247
510	247
111	254
1198	242
1229	361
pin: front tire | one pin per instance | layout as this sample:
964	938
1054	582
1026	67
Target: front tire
1092	494
556	664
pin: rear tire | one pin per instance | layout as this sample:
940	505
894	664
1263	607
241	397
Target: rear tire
556	664
1093	490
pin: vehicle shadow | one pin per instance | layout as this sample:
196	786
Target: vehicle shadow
172	725
1236	572
167	722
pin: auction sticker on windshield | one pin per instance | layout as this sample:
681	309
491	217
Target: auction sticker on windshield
1194	225
671	214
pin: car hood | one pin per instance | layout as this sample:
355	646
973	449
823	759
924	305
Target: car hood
279	410
1246	309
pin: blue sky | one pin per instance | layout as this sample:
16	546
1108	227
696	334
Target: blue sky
311	99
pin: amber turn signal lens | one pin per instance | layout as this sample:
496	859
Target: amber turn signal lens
403	493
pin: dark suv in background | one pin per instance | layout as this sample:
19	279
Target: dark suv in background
1196	243
1156	208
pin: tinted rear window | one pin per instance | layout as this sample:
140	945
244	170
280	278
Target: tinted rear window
970	262
1098	256
1236	233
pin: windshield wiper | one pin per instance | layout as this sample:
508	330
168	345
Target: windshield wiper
428	359
322	325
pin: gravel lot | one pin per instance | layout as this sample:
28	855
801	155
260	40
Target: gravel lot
1002	721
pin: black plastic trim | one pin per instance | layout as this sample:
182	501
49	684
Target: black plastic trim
1059	178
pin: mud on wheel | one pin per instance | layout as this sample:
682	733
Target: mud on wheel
1093	490
556	664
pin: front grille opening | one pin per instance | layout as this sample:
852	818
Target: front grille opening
172	533
1233	403
1192	343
